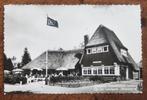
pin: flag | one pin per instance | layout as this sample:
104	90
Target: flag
52	22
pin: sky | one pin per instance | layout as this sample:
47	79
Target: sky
25	26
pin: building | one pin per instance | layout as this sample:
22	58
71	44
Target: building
141	68
105	55
56	61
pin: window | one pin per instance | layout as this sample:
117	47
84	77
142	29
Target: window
105	48
89	71
112	71
106	70
123	52
89	51
99	49
85	71
99	70
95	71
94	50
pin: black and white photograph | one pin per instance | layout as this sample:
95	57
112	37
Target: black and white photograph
72	49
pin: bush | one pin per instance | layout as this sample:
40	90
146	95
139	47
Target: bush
13	79
140	86
102	79
65	78
99	79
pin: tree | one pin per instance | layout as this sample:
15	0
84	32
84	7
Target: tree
8	65
60	49
5	62
19	65
26	57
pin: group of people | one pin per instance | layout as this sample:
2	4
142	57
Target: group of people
33	78
47	79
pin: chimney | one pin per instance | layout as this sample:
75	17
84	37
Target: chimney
86	39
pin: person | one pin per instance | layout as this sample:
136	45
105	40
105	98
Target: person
26	76
46	80
52	79
49	80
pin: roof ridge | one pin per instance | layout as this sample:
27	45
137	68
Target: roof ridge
105	27
97	31
64	50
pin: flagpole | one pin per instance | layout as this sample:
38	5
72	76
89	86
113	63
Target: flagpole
54	23
46	67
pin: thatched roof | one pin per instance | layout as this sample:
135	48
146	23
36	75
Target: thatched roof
140	64
56	59
97	38
103	35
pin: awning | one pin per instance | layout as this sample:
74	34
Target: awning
39	69
17	70
62	68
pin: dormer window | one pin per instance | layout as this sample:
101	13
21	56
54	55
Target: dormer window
105	49
89	51
99	49
124	52
94	50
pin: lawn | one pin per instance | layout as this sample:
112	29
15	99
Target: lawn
39	87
